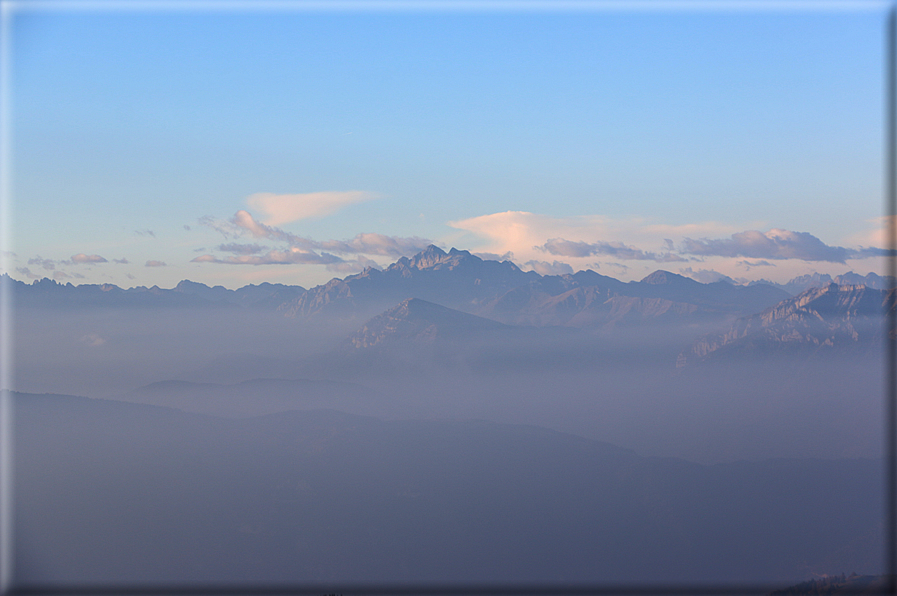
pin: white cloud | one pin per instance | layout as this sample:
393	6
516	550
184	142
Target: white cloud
281	209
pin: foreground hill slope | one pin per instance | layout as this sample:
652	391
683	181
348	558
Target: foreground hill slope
110	492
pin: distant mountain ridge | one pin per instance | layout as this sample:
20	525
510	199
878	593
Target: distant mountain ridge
421	322
842	317
458	280
503	292
47	292
818	280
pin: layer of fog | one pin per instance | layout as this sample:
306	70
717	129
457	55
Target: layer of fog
622	387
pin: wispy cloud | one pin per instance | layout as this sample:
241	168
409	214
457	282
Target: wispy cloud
292	256
145	233
241	249
376	244
285	208
155	264
876	235
47	264
296	249
618	250
93	340
748	264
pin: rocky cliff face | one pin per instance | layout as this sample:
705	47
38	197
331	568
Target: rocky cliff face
829	318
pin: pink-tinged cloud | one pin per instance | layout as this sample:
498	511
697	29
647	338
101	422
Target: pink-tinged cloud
776	244
285	208
243	223
82	258
155	264
376	244
879	233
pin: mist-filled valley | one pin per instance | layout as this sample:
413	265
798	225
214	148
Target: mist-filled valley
451	419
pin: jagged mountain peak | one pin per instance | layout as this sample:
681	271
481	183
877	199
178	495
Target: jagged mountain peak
419	321
434	257
186	285
821	318
661	277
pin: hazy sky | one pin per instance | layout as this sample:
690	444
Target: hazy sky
230	146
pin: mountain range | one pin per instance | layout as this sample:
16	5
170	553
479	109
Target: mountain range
461	281
827	319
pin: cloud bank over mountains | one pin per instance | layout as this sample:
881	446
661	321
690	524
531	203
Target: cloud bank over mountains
777	244
535	242
301	250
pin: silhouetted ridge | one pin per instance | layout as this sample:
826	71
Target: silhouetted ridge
420	321
661	277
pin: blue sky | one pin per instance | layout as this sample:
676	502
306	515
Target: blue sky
239	146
